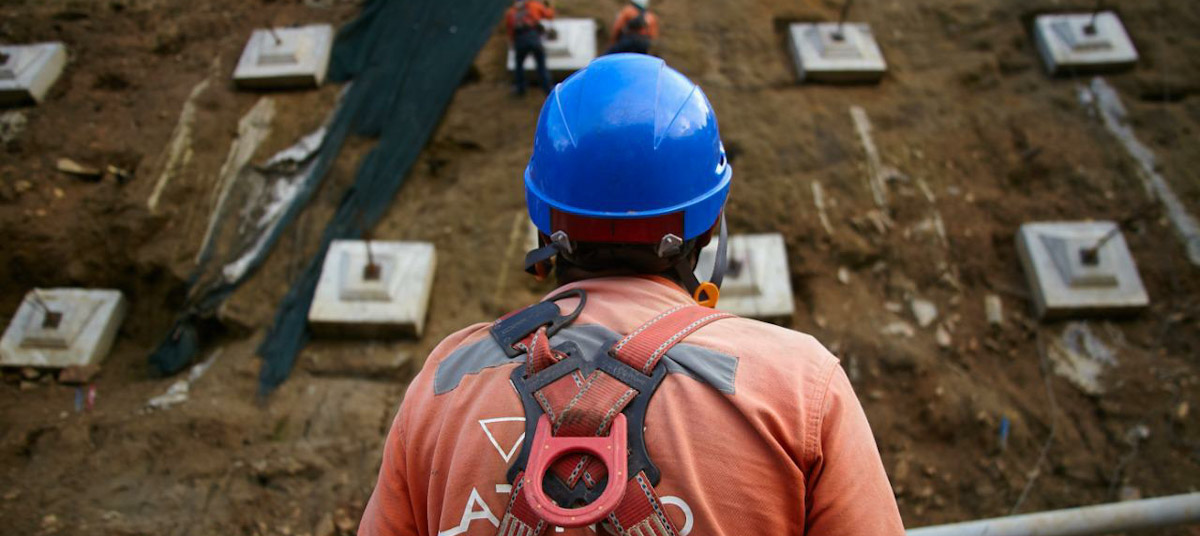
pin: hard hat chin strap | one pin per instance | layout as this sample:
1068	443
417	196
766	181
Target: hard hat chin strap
707	293
539	262
722	261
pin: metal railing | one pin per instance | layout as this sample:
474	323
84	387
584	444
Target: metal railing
1084	521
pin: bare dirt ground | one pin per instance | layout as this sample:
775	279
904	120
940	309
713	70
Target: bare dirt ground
978	135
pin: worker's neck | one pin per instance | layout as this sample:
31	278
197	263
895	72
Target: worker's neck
575	274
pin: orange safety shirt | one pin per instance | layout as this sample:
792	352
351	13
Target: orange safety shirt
535	12
629	13
756	430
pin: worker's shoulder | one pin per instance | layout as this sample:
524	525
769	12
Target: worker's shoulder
466	350
767	345
457	342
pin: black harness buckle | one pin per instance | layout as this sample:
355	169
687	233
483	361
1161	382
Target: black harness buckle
511	330
635	415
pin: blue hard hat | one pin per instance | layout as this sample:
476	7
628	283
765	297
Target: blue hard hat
627	151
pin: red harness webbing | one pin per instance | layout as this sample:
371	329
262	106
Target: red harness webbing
586	406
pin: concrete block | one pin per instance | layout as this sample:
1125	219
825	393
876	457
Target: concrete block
28	71
286	58
1066	282
570	46
1068	44
389	301
823	55
758	283
348	359
63	327
532	241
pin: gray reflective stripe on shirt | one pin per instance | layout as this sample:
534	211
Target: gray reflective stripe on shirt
701	364
468	360
704	365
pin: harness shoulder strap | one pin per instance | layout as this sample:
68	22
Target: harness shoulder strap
645	346
584	404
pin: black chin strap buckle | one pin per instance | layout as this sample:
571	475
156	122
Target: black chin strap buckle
511	330
537	262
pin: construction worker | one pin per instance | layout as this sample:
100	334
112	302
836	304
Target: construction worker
635	30
525	31
619	391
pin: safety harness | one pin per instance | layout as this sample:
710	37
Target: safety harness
584	456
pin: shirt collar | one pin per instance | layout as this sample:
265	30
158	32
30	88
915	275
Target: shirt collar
660	286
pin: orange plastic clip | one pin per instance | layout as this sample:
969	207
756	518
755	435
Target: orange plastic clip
707	294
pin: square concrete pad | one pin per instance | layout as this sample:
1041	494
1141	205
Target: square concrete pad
571	49
1068	47
78	330
350	302
298	58
531	240
1064	283
758	283
821	56
28	71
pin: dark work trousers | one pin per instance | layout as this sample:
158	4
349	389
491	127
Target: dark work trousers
635	43
525	44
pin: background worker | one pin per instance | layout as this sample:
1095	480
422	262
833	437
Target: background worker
635	30
525	31
751	429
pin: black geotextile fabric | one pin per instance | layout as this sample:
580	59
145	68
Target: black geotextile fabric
406	58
